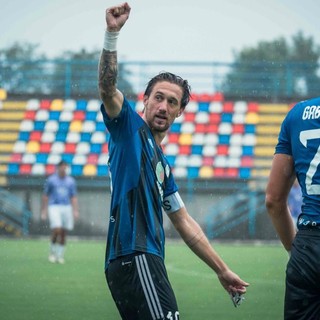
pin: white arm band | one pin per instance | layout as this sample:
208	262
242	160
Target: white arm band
172	203
110	40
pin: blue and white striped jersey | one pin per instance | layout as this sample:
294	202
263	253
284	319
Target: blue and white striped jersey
140	179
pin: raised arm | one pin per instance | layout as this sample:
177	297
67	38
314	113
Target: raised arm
111	97
194	237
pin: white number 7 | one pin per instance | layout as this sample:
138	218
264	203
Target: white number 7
304	137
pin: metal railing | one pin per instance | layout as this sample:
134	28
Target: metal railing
230	212
78	78
14	214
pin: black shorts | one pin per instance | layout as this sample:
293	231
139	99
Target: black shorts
302	297
141	289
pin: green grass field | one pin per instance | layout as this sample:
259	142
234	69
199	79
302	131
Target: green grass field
32	288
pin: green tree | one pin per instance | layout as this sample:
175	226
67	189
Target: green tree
275	70
76	74
18	64
24	71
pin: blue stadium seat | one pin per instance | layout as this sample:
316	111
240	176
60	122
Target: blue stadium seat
100	126
13	168
102	170
244	173
95	148
203	106
91	115
63	126
61	136
81	105
39	125
54	115
24	135
42	158
85	137
76	170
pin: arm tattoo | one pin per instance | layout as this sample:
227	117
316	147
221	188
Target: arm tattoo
108	72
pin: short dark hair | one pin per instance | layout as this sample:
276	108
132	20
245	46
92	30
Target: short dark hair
172	78
62	162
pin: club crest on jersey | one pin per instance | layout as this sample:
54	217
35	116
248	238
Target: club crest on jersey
160	172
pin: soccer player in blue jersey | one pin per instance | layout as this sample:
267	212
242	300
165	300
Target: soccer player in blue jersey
297	155
60	204
142	185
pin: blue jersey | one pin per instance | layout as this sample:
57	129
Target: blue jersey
60	190
140	178
300	137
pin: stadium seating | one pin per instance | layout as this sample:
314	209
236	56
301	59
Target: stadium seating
213	138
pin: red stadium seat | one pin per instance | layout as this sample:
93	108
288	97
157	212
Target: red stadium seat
238	128
79	115
185	149
93	158
218	96
214	118
189	117
253	107
232	172
16	158
222	149
218	172
201	127
173	137
70	148
25	168
35	135
30	115
45	104
45	147
50	169
247	162
212	128
228	107
207	161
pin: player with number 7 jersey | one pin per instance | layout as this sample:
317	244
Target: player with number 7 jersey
297	155
300	137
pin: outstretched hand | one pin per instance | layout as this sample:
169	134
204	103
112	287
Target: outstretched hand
117	16
232	282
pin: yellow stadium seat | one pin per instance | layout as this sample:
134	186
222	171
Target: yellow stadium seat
264	151
15	105
33	147
75	126
9	125
185	139
267	140
3	94
6	147
252	118
272	119
8	136
90	170
273	108
11	116
3	168
56	105
206	172
263	163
